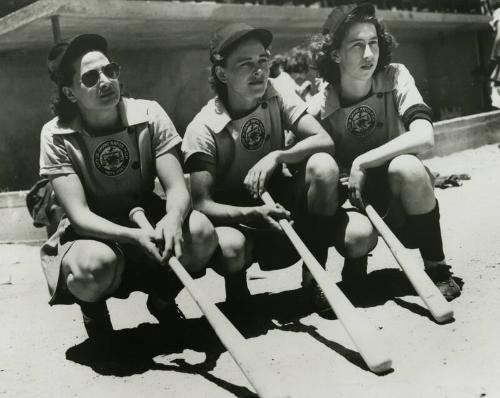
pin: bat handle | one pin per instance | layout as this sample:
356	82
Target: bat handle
138	216
267	199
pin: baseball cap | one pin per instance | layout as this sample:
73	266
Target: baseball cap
225	37
340	13
67	50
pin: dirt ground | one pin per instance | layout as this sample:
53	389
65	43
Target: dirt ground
44	351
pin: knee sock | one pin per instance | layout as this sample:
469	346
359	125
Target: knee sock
354	268
427	230
96	318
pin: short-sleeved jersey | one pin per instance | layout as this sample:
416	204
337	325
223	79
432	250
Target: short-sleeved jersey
394	102
234	146
117	169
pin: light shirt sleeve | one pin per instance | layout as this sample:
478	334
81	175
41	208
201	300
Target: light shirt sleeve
409	101
165	136
293	106
198	140
54	159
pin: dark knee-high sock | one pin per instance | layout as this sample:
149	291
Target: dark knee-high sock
317	233
96	318
427	230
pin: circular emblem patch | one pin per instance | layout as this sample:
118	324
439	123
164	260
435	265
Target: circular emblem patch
253	134
361	121
111	157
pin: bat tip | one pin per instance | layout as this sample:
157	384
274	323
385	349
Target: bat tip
381	367
445	317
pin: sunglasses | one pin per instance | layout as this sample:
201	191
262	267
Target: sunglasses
91	77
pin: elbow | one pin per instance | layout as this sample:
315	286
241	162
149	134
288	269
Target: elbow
428	144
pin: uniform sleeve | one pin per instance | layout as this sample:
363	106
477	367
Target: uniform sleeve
198	144
409	102
54	159
292	105
165	136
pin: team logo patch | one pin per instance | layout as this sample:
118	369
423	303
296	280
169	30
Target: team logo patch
361	121
111	157
253	134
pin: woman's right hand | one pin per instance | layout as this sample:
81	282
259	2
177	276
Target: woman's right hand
269	216
147	241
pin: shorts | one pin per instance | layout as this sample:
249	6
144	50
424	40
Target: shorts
378	193
271	249
140	272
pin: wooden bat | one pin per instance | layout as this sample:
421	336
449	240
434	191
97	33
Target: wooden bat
364	337
230	337
413	267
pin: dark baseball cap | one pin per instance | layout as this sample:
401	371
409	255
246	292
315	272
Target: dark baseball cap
340	13
67	50
225	37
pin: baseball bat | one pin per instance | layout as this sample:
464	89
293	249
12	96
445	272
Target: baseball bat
230	337
364	337
413	267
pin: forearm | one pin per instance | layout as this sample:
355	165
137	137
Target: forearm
411	142
178	202
224	214
89	224
305	148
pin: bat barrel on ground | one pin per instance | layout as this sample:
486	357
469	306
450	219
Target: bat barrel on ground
413	267
363	335
231	338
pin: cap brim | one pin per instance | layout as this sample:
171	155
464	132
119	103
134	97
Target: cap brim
263	35
82	43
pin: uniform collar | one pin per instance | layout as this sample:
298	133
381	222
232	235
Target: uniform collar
131	114
381	83
220	117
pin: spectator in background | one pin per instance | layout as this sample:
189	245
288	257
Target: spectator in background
494	7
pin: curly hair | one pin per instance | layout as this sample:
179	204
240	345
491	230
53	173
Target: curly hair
322	45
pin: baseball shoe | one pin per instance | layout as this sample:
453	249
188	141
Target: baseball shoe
316	297
443	278
169	315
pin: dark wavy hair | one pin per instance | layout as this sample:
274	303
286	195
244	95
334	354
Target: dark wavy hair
322	45
60	105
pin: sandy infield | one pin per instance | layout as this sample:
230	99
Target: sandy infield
44	351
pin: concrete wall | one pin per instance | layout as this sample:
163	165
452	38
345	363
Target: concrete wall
177	79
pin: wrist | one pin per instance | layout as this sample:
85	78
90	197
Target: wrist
131	235
358	164
278	156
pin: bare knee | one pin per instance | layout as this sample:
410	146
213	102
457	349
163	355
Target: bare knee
200	244
93	274
321	168
235	249
408	171
360	237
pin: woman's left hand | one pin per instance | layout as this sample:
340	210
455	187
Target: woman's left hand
258	175
356	184
169	237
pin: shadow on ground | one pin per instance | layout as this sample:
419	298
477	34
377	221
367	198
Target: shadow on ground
133	351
